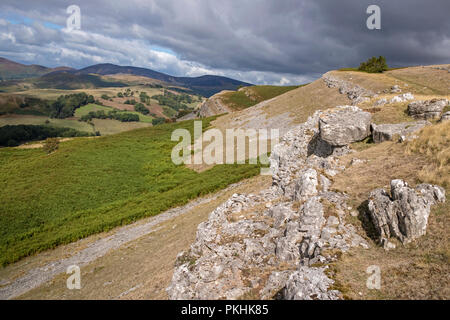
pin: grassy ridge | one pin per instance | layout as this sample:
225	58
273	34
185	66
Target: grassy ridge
93	185
250	96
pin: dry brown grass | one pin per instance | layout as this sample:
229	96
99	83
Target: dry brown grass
419	270
394	112
423	80
434	142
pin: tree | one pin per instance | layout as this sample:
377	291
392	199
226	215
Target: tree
158	120
374	65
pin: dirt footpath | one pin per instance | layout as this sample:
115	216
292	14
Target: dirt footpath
131	262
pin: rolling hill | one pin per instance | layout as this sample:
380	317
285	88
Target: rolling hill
206	85
10	70
65	77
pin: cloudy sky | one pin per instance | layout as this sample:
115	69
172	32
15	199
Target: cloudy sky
259	41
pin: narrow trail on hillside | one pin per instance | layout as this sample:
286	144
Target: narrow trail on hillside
40	275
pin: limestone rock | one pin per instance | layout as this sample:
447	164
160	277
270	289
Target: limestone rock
343	125
309	284
353	91
403	214
306	186
402	98
395	89
380	102
429	109
386	132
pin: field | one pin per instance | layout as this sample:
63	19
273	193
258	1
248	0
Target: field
92	185
418	270
94	107
40	120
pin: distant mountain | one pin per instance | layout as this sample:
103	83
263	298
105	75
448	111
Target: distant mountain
67	80
207	85
108	68
10	70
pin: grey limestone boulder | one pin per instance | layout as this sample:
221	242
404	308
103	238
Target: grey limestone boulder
403	214
343	125
429	109
387	132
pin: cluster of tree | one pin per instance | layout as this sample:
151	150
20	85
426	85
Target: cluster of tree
139	107
127	93
13	135
144	98
130	101
174	101
374	65
114	114
158	120
65	106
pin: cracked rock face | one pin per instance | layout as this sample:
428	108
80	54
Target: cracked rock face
341	126
404	213
430	109
264	245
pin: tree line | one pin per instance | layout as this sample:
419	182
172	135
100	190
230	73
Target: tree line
115	115
13	135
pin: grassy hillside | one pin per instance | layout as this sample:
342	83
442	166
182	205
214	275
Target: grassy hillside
249	96
41	120
93	185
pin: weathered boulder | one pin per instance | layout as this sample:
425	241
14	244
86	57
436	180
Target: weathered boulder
403	214
343	125
402	98
445	116
429	109
387	132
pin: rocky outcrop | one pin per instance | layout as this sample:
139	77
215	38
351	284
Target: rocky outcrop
341	126
387	132
430	109
404	213
213	106
402	98
266	244
355	93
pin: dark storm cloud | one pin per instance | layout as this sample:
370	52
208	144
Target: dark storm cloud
261	41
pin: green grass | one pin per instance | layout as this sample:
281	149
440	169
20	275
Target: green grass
40	120
84	110
239	100
110	126
95	107
93	185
